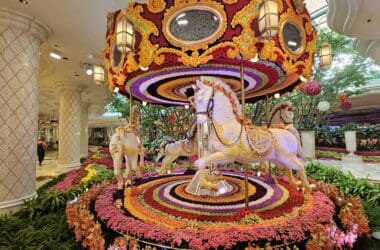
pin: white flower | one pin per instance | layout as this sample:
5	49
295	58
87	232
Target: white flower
323	106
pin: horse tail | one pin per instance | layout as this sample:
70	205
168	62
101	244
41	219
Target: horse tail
295	132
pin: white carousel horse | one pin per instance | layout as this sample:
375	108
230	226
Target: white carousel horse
173	150
127	142
282	116
233	141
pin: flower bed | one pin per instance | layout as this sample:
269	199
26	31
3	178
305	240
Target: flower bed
158	226
338	153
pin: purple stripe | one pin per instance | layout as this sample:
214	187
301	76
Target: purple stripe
277	194
223	71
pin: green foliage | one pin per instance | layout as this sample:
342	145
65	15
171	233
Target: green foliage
350	127
306	124
350	186
48	231
348	70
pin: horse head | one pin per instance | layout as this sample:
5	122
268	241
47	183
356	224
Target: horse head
203	99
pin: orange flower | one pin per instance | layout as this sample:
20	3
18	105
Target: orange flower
342	97
171	118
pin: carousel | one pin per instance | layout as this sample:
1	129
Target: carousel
228	52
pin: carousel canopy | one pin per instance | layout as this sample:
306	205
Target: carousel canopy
157	50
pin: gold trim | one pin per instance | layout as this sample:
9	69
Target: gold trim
156	6
285	19
216	8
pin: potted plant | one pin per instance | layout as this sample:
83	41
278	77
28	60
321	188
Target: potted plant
350	137
307	129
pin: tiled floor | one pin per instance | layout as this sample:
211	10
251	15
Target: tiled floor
49	169
372	170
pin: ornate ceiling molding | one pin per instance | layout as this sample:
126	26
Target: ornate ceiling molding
24	22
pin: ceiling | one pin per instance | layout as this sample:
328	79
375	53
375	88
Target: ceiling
78	32
358	19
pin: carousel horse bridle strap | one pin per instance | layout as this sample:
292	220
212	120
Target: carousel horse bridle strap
210	105
283	120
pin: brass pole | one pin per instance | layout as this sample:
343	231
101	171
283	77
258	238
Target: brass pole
266	110
243	116
130	104
267	122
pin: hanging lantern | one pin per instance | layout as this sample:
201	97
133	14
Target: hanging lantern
325	55
323	106
125	40
98	74
268	18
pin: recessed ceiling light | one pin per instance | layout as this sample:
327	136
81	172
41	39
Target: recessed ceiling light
56	55
369	20
89	71
23	1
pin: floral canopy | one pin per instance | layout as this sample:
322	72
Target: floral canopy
177	41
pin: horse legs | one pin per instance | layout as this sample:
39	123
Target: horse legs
288	172
169	158
301	173
214	158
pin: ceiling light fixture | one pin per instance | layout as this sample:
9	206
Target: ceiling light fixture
56	55
98	73
88	69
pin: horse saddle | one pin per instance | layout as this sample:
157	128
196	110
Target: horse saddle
188	145
259	139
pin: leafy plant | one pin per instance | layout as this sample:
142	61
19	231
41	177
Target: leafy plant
350	127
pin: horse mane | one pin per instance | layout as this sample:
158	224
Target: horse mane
136	117
229	93
277	108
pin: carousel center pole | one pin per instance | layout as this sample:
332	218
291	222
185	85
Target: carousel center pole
130	105
243	117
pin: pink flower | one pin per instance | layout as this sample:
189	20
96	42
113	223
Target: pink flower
372	142
313	88
340	239
350	239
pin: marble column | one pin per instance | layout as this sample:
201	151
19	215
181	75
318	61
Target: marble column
69	126
20	40
84	129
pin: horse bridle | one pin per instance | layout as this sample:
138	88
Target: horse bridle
208	112
210	105
283	120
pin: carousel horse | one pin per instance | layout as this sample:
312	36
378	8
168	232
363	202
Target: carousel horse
282	116
127	143
173	150
233	140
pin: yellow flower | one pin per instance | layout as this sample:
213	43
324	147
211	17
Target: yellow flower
90	173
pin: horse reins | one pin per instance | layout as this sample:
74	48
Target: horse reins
208	112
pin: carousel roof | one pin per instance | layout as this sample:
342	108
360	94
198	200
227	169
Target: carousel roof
177	41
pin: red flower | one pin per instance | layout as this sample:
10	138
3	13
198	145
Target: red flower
346	105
